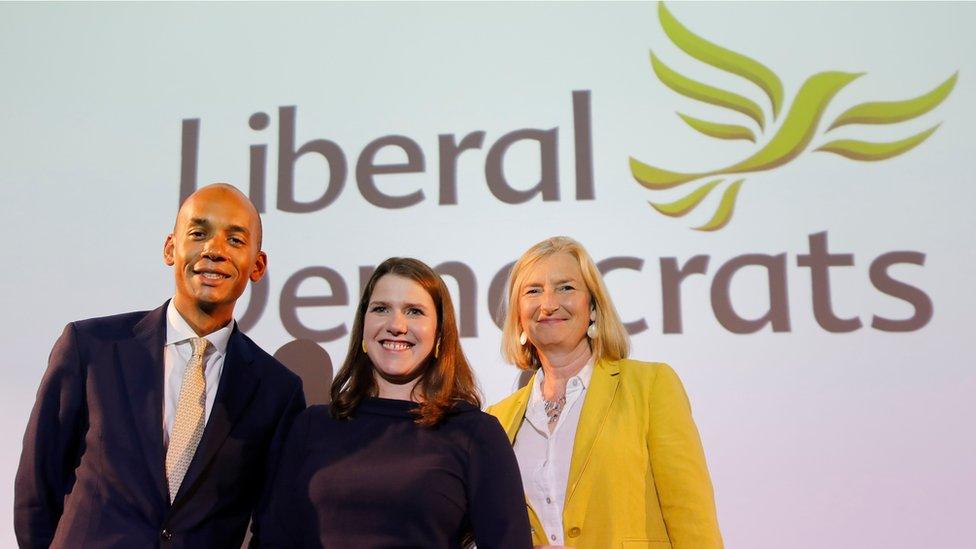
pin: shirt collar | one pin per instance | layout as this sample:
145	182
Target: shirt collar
178	331
584	376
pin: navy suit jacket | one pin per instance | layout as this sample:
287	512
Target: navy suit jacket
92	472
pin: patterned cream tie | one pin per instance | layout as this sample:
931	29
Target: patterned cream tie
189	422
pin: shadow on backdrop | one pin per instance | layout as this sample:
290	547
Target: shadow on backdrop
311	363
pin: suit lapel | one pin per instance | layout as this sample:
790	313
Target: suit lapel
237	384
593	416
141	362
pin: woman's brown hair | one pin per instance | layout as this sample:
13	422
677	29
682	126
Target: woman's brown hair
445	379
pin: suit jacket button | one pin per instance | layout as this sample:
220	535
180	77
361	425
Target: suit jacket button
574	532
166	535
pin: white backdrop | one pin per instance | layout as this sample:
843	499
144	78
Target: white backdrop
855	439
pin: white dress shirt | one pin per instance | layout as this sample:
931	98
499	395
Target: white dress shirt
544	458
176	354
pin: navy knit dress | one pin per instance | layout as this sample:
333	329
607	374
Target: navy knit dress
380	480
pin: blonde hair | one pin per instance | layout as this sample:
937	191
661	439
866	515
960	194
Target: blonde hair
611	341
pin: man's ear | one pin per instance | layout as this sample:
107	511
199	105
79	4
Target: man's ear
168	250
260	267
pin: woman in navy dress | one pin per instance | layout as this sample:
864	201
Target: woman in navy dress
403	456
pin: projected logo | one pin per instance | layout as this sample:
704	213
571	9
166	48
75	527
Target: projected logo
793	134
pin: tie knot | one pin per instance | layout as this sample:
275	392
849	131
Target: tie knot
199	346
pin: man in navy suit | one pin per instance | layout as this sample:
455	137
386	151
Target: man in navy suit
160	428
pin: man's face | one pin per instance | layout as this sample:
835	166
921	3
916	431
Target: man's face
214	250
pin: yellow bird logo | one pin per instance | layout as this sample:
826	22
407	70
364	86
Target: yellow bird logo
793	134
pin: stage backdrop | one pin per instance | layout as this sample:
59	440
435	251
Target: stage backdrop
781	196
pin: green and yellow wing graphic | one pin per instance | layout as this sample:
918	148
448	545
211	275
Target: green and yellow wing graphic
792	136
889	112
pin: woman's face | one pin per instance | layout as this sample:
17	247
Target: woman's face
554	304
400	326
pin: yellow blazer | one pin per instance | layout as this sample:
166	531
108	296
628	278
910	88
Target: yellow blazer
637	477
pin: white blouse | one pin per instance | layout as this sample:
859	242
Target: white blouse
544	458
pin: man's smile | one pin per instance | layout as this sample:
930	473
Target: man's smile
209	275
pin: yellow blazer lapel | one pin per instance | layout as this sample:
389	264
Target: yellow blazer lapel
599	397
511	412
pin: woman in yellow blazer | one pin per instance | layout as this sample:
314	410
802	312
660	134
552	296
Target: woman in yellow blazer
608	451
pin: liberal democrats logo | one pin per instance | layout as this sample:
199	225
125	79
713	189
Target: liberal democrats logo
793	134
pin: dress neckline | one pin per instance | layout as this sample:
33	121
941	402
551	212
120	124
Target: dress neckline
389	407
